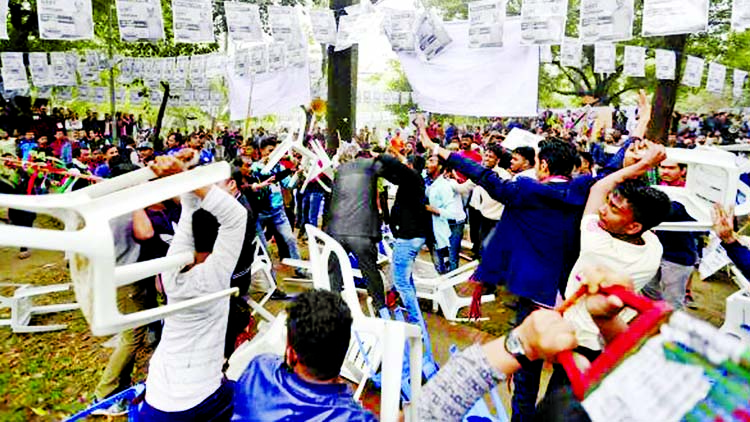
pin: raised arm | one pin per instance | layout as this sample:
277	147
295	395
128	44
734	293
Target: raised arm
644	115
650	155
724	228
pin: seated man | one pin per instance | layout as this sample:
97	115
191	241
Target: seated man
305	384
185	380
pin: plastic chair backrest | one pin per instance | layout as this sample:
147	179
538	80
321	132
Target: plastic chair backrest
321	247
88	237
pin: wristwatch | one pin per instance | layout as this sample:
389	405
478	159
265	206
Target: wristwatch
514	347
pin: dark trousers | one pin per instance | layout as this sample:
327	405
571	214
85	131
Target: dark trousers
218	407
475	231
366	251
526	380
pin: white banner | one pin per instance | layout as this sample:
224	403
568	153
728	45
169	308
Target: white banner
543	21
192	21
717	77
100	95
510	72
140	20
63	71
243	22
605	55
258	59
272	93
14	72
431	36
486	19
606	20
666	64
738	82
4	20
41	72
65	20
634	63
399	28
571	53
693	72
545	54
285	27
323	26
740	15
670	17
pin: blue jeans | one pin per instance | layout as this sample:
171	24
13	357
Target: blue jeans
218	407
405	251
280	221
457	235
312	204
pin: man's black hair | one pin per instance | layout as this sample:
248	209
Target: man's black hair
106	148
560	157
650	205
468	136
528	153
496	149
417	162
585	155
267	142
205	230
318	330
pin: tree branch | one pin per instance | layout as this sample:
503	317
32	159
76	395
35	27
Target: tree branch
568	93
624	90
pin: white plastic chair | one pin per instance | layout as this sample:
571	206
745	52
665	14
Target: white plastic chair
441	289
262	265
391	336
712	176
86	215
22	307
271	338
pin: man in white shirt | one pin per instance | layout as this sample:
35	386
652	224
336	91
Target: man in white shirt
615	234
185	380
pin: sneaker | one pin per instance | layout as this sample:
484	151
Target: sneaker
24	254
300	273
118	408
279	294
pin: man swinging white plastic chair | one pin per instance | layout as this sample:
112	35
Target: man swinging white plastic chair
86	215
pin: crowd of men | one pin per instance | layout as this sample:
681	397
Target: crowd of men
542	221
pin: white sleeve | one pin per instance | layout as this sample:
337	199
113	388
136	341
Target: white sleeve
216	272
593	237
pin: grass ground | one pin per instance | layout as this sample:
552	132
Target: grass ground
49	376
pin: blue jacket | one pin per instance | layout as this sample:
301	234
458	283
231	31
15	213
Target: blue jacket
537	240
268	391
740	255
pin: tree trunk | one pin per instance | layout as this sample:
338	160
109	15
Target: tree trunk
665	96
158	144
342	89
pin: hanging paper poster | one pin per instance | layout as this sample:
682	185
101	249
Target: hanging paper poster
90	67
65	93
740	15
634	63
399	28
276	57
83	93
545	54
215	65
14	71
666	65
65	19
241	59
285	26
486	19
717	77
349	32
571	53
323	26
100	95
181	69
197	69
140	20
135	97
120	95
155	97
243	22
3	19
126	70
543	21
258	59
693	72
431	36
192	21
44	92
606	20
41	73
63	74
296	57
671	17
738	82
604	58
